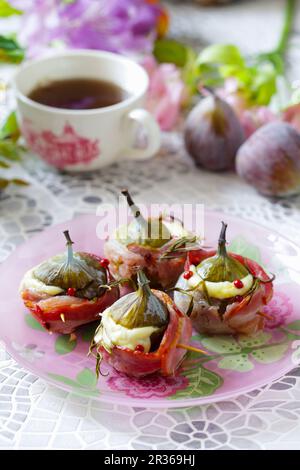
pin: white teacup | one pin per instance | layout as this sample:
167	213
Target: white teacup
92	138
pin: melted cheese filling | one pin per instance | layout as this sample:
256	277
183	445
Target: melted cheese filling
30	282
117	335
220	290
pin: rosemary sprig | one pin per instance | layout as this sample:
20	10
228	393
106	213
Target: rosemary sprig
180	246
121	281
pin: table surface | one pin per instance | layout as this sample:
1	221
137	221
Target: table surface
34	414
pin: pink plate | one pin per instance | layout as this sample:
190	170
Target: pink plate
235	365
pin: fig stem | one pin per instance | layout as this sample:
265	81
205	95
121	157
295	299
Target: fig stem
134	209
69	246
143	281
190	348
207	91
222	241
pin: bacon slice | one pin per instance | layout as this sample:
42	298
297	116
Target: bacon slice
239	317
166	359
63	313
125	261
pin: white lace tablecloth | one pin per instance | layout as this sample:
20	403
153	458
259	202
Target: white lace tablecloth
36	415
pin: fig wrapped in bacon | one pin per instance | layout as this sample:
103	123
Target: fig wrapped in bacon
143	333
68	290
224	292
156	245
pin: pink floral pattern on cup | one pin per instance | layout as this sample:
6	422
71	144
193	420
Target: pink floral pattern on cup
68	148
154	386
278	310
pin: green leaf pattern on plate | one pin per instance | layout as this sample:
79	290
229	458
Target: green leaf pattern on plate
241	246
88	331
63	344
239	363
221	344
295	325
84	384
239	353
33	323
87	378
270	354
202	382
254	341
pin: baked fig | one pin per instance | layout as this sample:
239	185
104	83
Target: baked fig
270	160
213	134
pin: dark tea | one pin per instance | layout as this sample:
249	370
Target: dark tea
78	93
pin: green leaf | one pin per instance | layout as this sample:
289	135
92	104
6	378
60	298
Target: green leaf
202	382
87	378
270	354
241	246
239	363
10	50
33	323
220	54
263	85
4	183
170	51
63	345
4	164
10	150
221	344
295	325
19	182
10	128
7	10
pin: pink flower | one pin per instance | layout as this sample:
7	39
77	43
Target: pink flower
147	387
231	94
292	116
166	92
279	309
114	25
255	117
251	117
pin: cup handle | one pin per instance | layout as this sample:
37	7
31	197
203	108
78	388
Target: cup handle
145	119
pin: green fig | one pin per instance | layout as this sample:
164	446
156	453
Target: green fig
153	232
222	267
79	271
141	308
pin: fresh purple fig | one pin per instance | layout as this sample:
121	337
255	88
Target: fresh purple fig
270	160
213	134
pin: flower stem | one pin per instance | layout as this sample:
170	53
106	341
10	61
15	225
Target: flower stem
287	26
